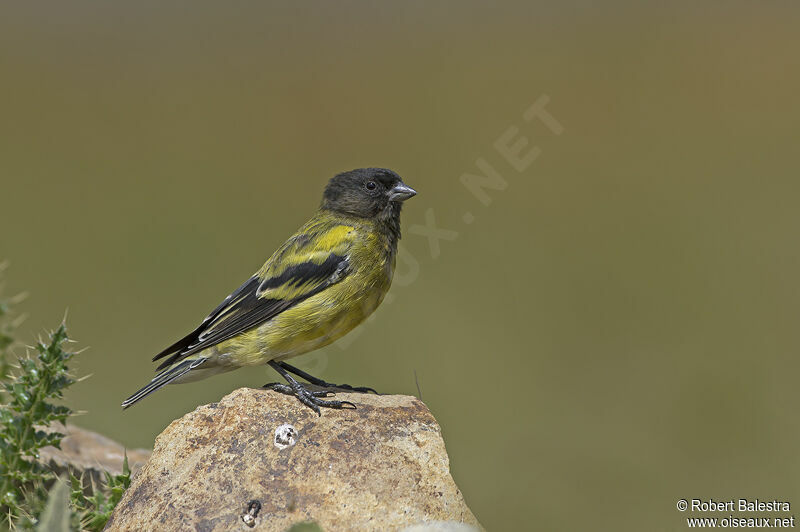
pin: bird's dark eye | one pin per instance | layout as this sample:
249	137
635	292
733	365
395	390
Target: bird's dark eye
371	185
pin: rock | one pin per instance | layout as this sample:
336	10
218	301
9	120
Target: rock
259	460
87	453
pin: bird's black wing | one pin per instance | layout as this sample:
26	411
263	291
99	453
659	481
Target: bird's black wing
260	298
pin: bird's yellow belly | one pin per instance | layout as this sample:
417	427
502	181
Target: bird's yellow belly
316	322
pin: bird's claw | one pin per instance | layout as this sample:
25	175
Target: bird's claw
310	398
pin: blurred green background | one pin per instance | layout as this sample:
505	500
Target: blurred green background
615	331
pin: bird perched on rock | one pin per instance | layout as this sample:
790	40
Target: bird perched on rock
319	285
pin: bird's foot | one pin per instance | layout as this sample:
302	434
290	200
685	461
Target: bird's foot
310	398
324	384
287	390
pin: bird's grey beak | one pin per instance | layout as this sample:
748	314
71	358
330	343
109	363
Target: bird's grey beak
401	192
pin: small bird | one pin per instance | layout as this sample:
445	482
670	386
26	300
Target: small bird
319	285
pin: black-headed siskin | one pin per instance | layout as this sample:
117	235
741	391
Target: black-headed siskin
320	284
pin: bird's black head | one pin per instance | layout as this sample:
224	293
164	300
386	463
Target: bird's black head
368	193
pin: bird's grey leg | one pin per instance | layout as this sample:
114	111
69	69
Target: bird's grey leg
307	397
319	382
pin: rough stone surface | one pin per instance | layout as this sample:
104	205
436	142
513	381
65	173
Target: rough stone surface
380	467
88	453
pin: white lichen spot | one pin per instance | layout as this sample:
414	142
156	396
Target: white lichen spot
285	436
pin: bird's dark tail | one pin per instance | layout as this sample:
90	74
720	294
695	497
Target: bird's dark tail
163	378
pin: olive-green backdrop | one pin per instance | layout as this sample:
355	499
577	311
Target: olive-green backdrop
614	331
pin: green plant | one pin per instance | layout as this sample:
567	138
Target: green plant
56	516
30	392
28	409
94	511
